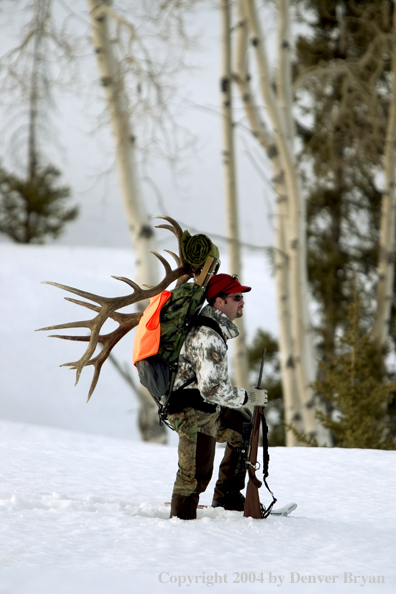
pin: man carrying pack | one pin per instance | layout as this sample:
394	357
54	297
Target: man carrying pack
205	408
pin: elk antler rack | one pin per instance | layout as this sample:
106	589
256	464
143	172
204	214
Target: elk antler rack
107	308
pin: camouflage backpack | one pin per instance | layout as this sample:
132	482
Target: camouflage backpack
170	318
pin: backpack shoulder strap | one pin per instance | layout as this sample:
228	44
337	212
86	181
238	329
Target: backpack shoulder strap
196	322
205	321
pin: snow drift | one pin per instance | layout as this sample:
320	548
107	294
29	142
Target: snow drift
84	513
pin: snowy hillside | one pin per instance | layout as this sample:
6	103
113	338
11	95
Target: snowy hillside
34	388
84	514
81	498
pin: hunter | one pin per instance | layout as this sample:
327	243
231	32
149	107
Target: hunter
205	408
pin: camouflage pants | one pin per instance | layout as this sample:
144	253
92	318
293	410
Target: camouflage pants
198	433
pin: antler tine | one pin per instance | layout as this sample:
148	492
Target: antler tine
109	341
94	325
126	323
164	262
64	337
175	228
83	304
169	227
97	369
175	257
93	341
116	316
83	324
128	282
85	294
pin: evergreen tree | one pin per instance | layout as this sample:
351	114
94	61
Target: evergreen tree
33	208
356	385
342	73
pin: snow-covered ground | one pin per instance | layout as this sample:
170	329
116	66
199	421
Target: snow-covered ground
84	514
82	498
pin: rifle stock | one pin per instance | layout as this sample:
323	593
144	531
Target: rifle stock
252	508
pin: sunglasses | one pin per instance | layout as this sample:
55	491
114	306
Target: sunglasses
235	298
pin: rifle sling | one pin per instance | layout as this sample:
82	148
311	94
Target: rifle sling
266	459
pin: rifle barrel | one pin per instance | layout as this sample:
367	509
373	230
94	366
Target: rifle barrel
261	369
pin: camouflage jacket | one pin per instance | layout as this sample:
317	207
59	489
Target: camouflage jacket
204	356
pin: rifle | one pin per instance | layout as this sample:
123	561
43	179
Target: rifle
248	459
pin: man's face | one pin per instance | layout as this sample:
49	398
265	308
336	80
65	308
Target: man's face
231	308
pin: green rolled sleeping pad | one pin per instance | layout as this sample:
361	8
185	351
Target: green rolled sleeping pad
197	248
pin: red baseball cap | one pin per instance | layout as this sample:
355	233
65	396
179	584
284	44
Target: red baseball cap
224	283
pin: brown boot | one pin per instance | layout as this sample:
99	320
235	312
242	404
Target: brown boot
184	507
233	501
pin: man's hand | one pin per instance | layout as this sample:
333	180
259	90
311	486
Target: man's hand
257	397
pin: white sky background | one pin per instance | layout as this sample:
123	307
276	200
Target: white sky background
192	192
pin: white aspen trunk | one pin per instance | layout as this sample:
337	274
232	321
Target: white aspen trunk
285	99
284	79
387	257
292	402
285	96
296	241
240	362
292	406
140	228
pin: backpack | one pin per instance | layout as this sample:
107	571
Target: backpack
160	336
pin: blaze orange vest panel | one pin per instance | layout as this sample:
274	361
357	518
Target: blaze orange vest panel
148	332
